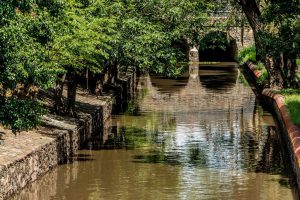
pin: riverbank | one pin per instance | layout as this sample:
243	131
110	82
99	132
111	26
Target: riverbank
208	132
29	155
276	101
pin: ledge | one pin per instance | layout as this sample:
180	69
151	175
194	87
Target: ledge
291	132
29	155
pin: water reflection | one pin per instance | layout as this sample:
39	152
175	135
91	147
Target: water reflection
199	141
219	79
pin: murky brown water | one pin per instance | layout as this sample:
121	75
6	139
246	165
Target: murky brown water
203	136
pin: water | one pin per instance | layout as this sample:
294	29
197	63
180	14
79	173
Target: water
202	136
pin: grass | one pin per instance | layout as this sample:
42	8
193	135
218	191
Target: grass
290	92
264	73
247	54
293	104
292	101
263	77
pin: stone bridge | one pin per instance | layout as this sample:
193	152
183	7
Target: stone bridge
240	30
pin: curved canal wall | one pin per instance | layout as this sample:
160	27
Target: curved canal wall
29	155
290	132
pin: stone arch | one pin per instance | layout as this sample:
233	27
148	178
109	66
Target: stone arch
218	46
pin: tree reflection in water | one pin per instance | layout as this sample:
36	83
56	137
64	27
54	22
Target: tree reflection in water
201	140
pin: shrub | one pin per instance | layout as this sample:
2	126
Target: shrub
264	73
20	114
298	62
247	54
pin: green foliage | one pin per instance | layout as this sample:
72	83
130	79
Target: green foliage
264	73
298	62
290	91
20	114
82	36
281	31
293	104
24	60
25	65
247	54
149	33
41	39
214	39
264	76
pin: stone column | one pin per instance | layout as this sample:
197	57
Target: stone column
194	55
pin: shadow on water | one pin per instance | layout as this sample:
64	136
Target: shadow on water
157	158
271	160
83	157
121	138
169	84
218	79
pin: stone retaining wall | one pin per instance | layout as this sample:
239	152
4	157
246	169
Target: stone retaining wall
29	155
54	144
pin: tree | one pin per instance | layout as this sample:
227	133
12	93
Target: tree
150	33
24	66
81	42
275	25
46	42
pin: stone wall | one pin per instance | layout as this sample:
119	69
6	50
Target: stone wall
54	144
29	155
246	40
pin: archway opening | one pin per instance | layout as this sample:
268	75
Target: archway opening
217	46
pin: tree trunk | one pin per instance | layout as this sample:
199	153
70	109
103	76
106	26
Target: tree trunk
281	69
96	84
87	74
242	31
276	77
252	12
72	86
289	67
59	107
99	86
113	73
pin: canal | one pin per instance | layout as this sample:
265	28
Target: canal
201	136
